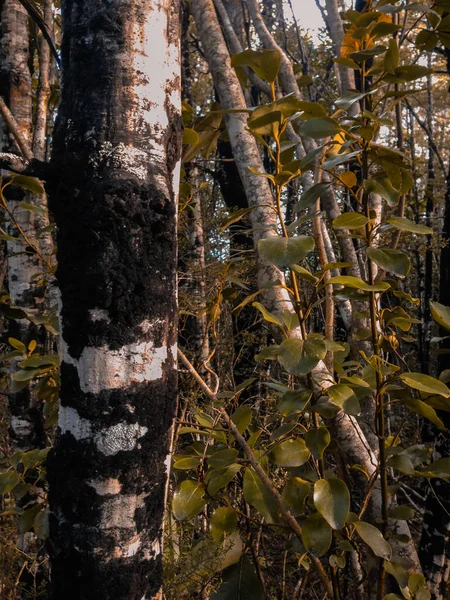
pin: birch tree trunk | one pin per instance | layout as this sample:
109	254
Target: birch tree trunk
15	89
116	147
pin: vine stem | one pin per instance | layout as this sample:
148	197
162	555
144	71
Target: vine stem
287	515
379	400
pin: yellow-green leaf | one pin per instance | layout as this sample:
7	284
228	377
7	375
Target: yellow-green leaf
374	539
425	383
441	314
332	500
188	499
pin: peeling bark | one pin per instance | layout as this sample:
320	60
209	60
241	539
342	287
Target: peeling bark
116	146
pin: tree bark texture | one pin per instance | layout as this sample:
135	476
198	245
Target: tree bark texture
116	147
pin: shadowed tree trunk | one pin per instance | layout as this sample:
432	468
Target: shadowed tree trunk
116	151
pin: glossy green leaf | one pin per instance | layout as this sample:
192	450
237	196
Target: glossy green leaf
345	397
184	464
17	344
300	357
425	383
393	261
401	513
216	479
265	63
310	196
188	499
419	407
332	500
317	441
441	314
240	582
392	57
291	453
350	220
29	183
316	534
404	224
223	458
242	417
41	524
285	251
267	316
402	463
294	402
321	127
190	136
8	481
223	520
294	495
359	284
256	494
374	539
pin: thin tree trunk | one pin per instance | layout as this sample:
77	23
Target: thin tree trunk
116	151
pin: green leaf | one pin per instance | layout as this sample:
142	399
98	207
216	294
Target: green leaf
441	314
334	161
235	217
316	535
383	28
359	284
190	136
189	462
223	520
321	127
41	525
402	463
401	513
419	407
268	353
403	224
294	495
265	63
425	383
188	499
294	402
345	397
411	72
242	418
392	57
284	252
256	494
223	458
268	316
309	197
28	183
291	453
17	344
26	374
393	261
32	208
345	102
317	440
216	479
267	124
304	274
332	500
27	518
300	357
350	220
240	582
374	539
8	481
